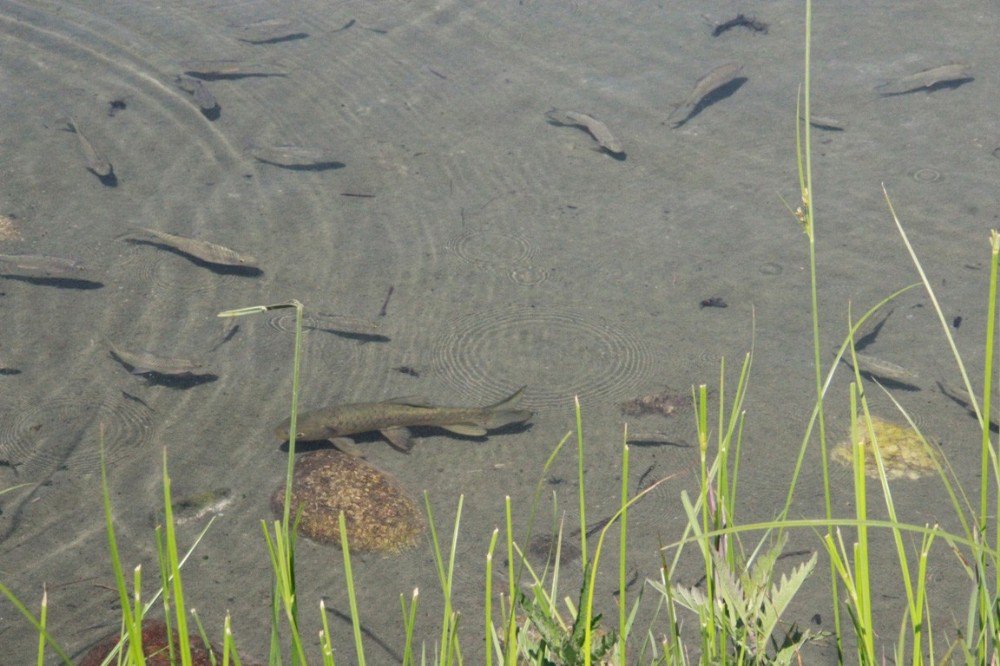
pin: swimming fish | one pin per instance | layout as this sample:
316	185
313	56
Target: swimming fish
953	73
202	96
95	162
212	70
203	250
141	362
392	418
293	157
602	135
710	82
40	264
269	31
884	370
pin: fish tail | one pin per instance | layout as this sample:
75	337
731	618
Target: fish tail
505	411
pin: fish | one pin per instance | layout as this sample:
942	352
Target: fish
391	419
141	362
268	31
40	264
715	79
95	162
295	157
598	130
826	123
202	96
199	249
954	74
963	398
212	70
884	370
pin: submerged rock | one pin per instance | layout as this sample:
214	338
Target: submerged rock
379	514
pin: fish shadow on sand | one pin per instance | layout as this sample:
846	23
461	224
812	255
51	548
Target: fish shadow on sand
652	442
107	180
274	40
235	76
950	84
176	382
57	282
219	269
363	338
717	95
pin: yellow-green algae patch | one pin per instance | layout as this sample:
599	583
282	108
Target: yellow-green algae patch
904	454
379	515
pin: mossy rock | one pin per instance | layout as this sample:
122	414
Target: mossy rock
379	514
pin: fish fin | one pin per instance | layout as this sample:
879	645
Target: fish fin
398	438
505	411
411	401
347	445
139	370
503	417
466	429
508	402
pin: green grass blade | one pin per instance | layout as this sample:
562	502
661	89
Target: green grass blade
352	598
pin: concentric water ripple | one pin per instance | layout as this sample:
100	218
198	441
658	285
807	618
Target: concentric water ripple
557	354
39	437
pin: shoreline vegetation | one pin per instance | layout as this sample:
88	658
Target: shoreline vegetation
737	615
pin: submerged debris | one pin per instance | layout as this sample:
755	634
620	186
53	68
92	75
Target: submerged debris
664	403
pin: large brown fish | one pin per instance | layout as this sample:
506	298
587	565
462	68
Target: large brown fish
392	418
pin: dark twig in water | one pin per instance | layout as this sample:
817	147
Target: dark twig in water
740	21
385	303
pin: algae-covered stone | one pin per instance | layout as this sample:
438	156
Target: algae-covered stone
904	454
379	515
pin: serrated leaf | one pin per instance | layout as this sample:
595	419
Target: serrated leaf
783	592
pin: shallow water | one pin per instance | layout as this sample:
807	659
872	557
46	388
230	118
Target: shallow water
517	253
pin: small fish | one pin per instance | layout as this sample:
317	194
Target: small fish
602	135
202	96
142	362
718	77
336	323
268	31
884	370
392	418
295	157
95	162
205	251
827	124
213	70
952	74
40	264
